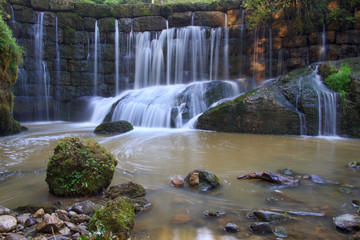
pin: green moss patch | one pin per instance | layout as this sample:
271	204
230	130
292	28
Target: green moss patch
79	167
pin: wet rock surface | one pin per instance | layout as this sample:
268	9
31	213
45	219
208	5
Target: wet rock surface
203	180
347	223
272	177
117	127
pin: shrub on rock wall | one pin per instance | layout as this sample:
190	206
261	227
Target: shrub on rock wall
79	167
10	57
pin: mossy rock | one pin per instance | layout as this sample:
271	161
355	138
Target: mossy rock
129	189
79	167
114	127
8	125
117	217
207	180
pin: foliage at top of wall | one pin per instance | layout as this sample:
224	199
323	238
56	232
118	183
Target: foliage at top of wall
159	2
306	15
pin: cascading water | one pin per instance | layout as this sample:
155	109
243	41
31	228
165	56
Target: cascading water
187	56
327	107
322	55
270	53
163	106
226	50
43	89
117	53
97	56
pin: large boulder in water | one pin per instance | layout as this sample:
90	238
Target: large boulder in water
291	106
113	127
79	167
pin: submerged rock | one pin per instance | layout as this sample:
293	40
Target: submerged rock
280	232
4	211
269	216
79	167
354	165
272	177
206	180
129	189
317	179
347	223
114	127
261	228
181	219
213	213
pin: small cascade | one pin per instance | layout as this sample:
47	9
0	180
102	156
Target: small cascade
226	50
252	83
163	106
242	30
270	54
97	57
43	77
12	21
303	129
327	107
322	55
117	57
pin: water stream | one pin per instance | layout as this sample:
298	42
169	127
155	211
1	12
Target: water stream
151	156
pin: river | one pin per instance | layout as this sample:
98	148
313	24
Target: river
151	156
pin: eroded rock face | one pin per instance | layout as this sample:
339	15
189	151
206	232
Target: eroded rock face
274	109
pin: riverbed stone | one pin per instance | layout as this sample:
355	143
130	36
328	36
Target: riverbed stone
49	224
181	219
39	213
84	207
7	223
81	218
21	219
347	223
231	227
4	211
354	165
117	127
214	213
13	236
207	180
177	181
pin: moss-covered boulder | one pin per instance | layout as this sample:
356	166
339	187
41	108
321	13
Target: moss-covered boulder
10	57
114	127
117	217
79	167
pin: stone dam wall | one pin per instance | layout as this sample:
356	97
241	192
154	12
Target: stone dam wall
59	64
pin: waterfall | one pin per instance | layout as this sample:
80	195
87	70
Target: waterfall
255	60
303	129
12	15
57	67
117	57
97	56
270	53
242	29
327	110
177	56
163	106
41	69
322	55
226	50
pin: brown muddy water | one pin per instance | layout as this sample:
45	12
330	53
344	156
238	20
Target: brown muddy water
152	156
